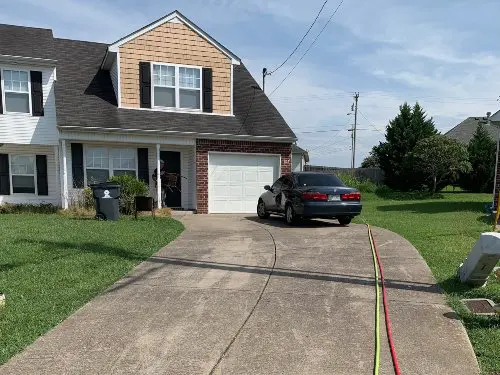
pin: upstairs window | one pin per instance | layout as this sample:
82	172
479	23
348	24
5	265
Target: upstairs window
176	87
16	90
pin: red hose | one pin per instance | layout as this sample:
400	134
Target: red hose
386	311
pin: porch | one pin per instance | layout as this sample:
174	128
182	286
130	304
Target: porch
88	158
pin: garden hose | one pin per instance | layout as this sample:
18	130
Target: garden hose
376	367
378	266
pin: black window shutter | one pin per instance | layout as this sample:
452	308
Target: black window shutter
42	181
143	165
36	93
77	164
145	84
207	90
1	106
4	174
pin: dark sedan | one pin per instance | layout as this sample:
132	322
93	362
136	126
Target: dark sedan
310	195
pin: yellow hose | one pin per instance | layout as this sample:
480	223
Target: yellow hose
376	368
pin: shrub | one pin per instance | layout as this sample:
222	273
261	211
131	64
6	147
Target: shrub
130	187
42	208
82	199
363	185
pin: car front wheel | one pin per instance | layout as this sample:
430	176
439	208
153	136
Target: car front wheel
261	210
290	217
345	220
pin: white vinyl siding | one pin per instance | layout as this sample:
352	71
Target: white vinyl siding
297	162
22	128
52	175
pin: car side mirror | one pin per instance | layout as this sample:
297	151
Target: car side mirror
267	187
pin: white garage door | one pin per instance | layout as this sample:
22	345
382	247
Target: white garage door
235	181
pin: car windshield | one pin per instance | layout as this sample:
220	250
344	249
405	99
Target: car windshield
319	180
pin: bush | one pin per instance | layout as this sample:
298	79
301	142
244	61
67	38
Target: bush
42	208
82	199
363	185
130	187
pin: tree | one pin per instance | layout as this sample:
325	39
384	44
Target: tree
403	132
482	156
370	161
439	160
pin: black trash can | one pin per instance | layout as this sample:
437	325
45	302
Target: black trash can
106	197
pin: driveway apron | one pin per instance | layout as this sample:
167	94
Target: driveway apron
196	299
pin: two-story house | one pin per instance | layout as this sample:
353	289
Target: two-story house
75	113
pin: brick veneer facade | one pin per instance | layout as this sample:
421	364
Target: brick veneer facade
204	146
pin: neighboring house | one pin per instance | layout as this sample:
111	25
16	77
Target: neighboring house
167	91
464	131
300	158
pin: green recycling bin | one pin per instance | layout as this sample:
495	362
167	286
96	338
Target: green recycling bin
106	197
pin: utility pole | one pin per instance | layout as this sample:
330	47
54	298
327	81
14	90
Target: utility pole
264	74
353	163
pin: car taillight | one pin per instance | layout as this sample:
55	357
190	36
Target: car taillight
351	197
310	196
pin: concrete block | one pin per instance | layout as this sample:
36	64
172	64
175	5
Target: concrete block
481	260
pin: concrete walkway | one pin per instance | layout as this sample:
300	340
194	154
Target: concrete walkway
177	312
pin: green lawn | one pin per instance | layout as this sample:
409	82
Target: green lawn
444	231
50	265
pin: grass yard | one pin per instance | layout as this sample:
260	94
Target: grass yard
50	265
444	230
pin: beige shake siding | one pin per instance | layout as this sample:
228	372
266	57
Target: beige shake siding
177	44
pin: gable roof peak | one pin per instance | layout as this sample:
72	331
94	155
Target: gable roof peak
175	16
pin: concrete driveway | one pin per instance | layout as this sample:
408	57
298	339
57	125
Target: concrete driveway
179	311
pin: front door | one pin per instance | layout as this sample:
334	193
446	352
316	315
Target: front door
172	161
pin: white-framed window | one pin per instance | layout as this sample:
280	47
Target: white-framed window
16	93
23	174
176	86
123	161
101	163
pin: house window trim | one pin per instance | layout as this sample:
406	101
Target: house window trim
110	161
2	86
35	194
177	88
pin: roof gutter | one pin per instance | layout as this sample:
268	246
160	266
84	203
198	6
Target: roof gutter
12	59
242	137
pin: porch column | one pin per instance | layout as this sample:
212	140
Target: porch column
65	203
158	177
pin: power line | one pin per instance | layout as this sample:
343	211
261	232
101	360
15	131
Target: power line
298	45
370	123
307	50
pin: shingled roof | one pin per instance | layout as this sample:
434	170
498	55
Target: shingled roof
26	42
85	99
464	131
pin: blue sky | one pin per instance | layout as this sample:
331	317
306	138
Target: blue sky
443	53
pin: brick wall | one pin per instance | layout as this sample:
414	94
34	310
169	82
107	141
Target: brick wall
177	44
203	146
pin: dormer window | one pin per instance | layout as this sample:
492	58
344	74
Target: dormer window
176	86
